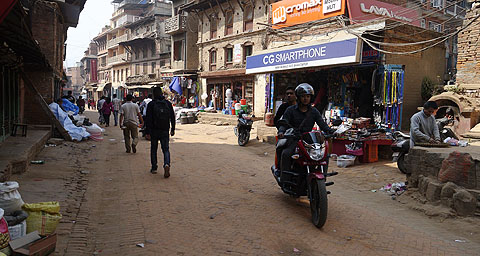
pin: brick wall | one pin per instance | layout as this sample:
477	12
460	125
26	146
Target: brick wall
34	114
468	63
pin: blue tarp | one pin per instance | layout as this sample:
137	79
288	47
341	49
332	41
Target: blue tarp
68	106
77	133
175	85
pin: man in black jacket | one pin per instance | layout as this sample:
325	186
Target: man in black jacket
301	117
291	100
160	115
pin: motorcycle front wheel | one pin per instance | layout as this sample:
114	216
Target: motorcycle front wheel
243	138
318	203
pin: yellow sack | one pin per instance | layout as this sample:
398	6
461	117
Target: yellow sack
42	217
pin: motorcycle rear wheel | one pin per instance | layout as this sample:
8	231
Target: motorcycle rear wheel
318	203
401	164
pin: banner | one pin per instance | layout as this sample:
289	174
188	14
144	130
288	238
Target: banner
292	12
365	10
333	53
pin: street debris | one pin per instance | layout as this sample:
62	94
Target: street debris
142	245
296	250
396	188
50	145
460	241
373	190
84	172
348	238
112	139
266	153
37	162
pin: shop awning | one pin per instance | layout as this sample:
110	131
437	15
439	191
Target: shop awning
343	47
100	87
118	85
145	86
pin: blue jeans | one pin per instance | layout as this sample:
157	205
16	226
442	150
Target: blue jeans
115	117
164	138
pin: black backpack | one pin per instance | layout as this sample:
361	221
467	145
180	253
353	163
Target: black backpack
161	114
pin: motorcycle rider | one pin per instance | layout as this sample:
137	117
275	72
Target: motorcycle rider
302	118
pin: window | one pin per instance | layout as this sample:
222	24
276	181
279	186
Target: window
121	75
423	1
137	69
247	51
144	50
145	67
229	23
213	28
435	26
153	67
248	18
423	23
113	76
213	60
229	57
436	4
137	54
153	50
178	50
162	63
126	73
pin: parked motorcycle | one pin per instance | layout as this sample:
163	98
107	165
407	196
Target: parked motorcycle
243	128
446	132
309	172
400	148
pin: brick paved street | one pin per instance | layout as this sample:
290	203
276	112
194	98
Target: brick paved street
222	200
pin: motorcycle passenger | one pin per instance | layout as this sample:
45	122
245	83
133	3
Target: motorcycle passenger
302	118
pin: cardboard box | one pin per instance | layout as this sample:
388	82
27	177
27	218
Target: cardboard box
33	244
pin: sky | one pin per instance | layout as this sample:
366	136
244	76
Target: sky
95	15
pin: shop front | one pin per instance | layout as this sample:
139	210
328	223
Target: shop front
182	87
236	81
352	89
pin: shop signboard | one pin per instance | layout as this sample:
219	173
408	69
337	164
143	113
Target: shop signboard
293	12
237	53
369	54
365	10
331	53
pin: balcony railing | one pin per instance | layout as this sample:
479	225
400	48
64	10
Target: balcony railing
117	59
114	42
455	10
176	24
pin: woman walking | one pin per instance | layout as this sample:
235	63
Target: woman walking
107	109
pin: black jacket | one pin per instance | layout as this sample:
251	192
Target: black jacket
149	118
294	117
280	112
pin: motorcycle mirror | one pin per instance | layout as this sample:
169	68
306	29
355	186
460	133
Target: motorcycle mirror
253	115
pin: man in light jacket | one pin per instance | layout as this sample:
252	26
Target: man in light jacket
423	127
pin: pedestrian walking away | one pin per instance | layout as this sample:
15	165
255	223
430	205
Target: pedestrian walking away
160	116
129	112
117	103
101	120
70	97
107	109
81	104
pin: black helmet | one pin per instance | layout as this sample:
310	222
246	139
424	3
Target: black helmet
302	89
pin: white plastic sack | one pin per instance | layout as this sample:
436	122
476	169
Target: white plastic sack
344	161
95	129
10	198
18	230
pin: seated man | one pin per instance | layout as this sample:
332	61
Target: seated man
423	127
301	117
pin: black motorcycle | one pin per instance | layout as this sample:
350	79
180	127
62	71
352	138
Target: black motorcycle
400	148
243	128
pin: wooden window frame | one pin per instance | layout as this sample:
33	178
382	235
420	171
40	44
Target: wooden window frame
229	25
212	65
213	28
248	22
228	64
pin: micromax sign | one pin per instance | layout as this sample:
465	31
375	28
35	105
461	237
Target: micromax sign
292	12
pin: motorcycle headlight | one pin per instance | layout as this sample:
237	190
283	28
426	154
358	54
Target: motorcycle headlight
316	151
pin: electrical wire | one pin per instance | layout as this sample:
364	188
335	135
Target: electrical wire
367	41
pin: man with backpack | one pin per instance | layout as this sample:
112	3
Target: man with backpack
160	116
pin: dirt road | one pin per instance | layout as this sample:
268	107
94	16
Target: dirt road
222	200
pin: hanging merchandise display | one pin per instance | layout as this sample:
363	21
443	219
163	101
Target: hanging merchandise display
390	96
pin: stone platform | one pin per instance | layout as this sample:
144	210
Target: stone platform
17	152
450	176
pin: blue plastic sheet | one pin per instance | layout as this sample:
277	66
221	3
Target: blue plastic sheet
68	106
77	133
